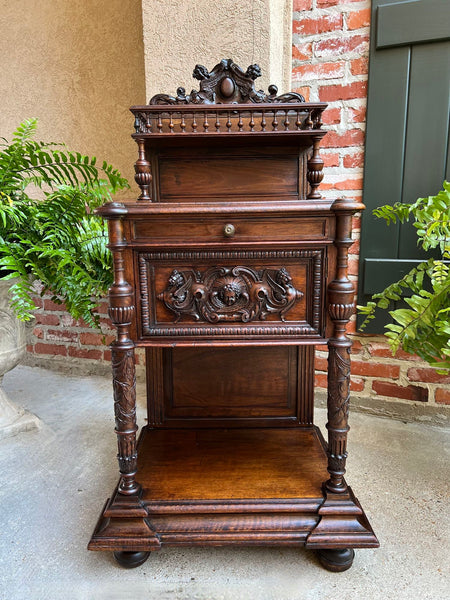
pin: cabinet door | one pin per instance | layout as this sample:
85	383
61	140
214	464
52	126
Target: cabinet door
190	297
230	387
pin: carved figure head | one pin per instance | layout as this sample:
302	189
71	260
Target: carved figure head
200	72
176	279
253	71
283	277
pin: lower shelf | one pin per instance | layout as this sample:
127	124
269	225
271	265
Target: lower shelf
232	486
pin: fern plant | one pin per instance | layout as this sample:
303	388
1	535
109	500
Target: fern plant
54	238
423	328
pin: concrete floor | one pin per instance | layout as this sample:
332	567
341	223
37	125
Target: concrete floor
55	480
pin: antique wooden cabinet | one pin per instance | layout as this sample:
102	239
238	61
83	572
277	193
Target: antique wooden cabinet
229	269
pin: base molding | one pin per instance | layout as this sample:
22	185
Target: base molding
342	524
334	522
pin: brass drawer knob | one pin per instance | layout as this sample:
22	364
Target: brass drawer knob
229	230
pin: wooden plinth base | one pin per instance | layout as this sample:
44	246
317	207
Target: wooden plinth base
216	487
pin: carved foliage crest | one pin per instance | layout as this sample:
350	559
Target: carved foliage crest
227	83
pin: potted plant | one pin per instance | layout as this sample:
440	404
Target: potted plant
422	327
48	233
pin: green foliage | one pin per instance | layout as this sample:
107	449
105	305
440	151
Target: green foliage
56	239
424	327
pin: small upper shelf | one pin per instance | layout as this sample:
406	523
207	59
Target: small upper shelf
227	103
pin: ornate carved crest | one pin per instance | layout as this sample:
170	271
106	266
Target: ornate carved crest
227	83
230	294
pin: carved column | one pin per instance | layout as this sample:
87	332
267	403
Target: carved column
121	311
315	169
340	308
143	175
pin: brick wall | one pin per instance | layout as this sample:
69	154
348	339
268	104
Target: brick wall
330	55
330	63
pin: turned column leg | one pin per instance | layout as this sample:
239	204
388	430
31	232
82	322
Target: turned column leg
340	308
338	405
121	312
124	384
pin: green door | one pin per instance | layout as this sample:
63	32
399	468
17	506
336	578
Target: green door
407	137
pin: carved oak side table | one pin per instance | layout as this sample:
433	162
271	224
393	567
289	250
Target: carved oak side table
229	269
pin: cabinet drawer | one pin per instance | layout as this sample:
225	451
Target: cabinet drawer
188	295
228	229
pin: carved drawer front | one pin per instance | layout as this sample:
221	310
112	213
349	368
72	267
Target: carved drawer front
200	295
230	230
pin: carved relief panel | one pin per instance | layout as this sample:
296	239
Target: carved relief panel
231	293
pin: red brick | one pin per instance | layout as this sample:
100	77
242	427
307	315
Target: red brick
356	346
329	93
357	384
332	115
38	332
354	248
318	71
106	322
321	364
107	355
102	308
85	353
95	339
356	220
427	375
374	369
322	348
358	18
442	396
302	51
310	26
383	351
330	160
321	380
45	319
302	5
30	348
354	160
332	47
409	392
326	3
50	305
349	184
58	335
305	91
50	349
352	137
359	66
356	115
326	186
353	264
38	302
351	327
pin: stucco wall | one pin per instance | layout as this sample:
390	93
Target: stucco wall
77	66
178	35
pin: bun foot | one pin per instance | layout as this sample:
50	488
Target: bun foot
336	560
130	560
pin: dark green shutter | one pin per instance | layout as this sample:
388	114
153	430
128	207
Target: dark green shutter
407	137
